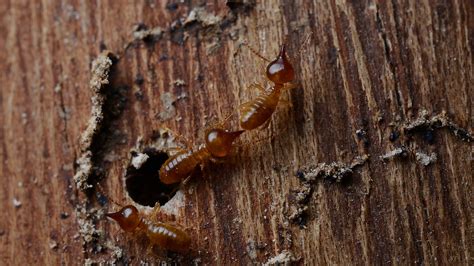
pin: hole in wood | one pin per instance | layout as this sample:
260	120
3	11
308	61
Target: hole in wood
143	184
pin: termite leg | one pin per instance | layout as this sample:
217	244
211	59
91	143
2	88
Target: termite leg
256	86
156	210
175	149
253	142
220	160
221	124
149	249
179	137
290	85
218	124
186	180
184	140
266	124
285	103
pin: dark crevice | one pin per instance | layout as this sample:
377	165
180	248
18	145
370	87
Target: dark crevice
143	184
387	52
64	116
384	36
109	136
406	72
240	6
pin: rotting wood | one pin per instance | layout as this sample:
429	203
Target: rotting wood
369	71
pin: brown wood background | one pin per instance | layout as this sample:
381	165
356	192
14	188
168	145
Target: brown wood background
369	66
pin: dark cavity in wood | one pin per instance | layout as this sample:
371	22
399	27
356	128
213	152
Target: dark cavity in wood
143	182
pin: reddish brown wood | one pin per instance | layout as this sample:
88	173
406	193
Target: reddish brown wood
369	69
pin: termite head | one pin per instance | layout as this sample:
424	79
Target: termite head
128	218
219	141
280	70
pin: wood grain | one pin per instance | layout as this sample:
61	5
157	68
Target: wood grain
369	68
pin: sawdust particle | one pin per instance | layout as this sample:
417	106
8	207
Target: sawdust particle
201	16
141	32
441	120
335	171
53	244
16	203
426	159
178	82
139	159
398	152
284	258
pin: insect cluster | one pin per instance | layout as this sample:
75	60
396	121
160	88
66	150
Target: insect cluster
218	144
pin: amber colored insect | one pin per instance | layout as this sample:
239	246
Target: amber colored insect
259	110
161	234
218	145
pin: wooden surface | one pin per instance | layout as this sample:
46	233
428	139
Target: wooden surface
369	69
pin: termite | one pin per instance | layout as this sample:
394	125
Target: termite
163	235
218	145
259	110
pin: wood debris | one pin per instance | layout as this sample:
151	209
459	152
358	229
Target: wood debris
426	159
424	121
335	171
100	78
284	258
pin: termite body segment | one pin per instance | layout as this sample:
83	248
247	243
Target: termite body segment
179	166
182	164
164	235
259	110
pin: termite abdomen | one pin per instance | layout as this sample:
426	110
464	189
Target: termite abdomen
167	236
257	112
182	164
164	235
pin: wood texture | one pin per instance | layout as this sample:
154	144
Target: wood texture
369	68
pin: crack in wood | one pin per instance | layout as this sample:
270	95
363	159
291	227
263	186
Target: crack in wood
100	78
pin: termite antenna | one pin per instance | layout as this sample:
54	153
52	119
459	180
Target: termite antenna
178	137
229	115
245	144
283	47
303	46
285	40
217	123
245	43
